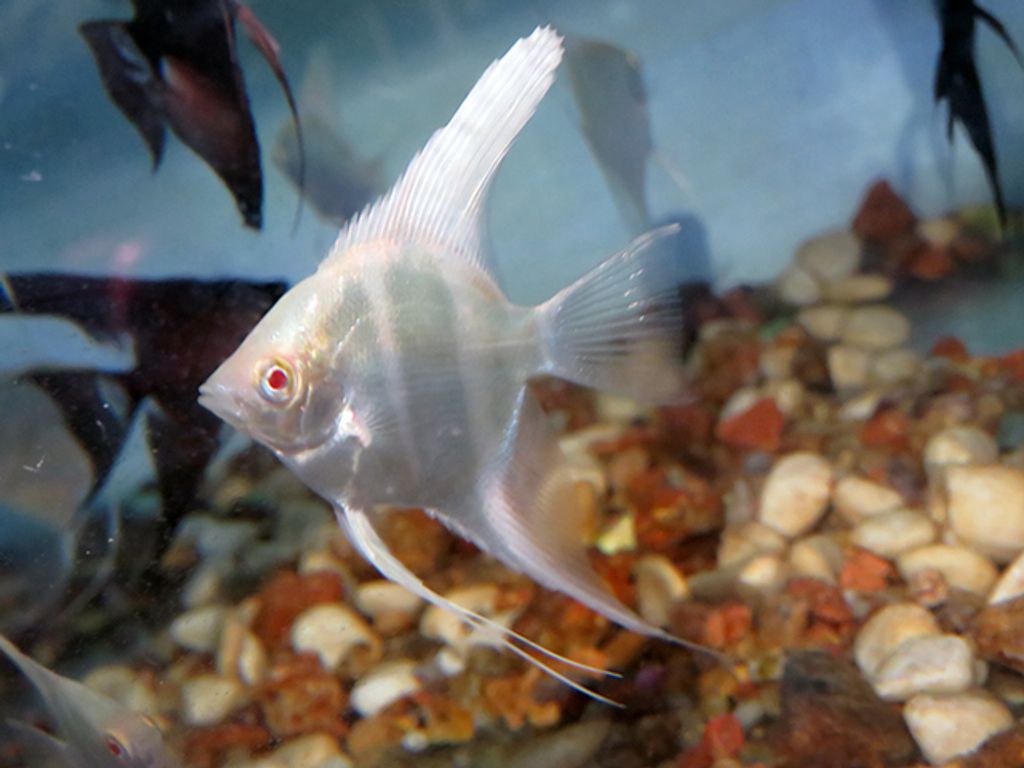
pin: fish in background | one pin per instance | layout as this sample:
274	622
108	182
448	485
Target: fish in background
333	178
175	63
171	325
95	731
957	83
396	375
608	87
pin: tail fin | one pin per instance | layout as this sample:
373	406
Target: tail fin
620	328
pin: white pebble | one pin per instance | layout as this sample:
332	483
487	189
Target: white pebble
857	499
860	288
962	568
241	653
332	632
861	406
208	699
876	326
890	533
796	493
740	543
824	321
123	685
927	664
985	508
960	445
831	257
199	629
947	725
380	596
383	685
204	586
886	630
1010	583
817	557
941	232
848	366
798	287
659	586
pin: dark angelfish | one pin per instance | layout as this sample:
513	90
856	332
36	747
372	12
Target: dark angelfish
176	64
957	82
608	88
332	176
181	329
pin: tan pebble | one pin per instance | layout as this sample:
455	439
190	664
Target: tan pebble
848	366
951	724
659	586
123	685
890	533
941	231
241	653
798	287
208	699
831	257
817	557
788	395
618	536
883	633
856	498
316	750
627	465
895	365
766	574
985	507
1010	583
796	493
859	288
928	664
380	596
438	623
824	321
962	568
861	406
383	685
204	586
960	445
741	505
876	326
615	409
323	560
776	362
332	632
199	629
740	543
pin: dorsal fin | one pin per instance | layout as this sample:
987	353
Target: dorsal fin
439	199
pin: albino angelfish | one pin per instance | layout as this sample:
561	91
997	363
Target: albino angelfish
396	375
95	731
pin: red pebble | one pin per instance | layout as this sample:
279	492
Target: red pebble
758	427
722	740
889	428
865	571
930	261
950	348
883	215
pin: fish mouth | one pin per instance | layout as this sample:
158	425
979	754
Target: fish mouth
221	401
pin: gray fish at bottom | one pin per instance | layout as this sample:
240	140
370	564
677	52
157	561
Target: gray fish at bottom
96	732
396	374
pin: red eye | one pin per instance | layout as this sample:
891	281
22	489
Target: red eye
277	382
277	379
114	746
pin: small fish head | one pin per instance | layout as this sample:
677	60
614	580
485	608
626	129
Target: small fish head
279	386
137	743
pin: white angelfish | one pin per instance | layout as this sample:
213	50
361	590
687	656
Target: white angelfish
396	374
95	731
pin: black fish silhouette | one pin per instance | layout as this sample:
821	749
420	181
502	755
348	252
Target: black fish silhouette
182	329
176	64
957	82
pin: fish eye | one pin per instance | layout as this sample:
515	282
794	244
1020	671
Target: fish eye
115	747
277	381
